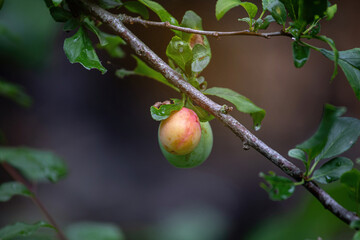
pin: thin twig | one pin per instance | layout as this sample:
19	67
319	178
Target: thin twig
15	175
199	98
131	20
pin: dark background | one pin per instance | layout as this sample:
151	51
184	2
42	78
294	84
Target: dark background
102	127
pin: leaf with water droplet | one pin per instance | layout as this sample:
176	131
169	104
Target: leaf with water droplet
180	52
332	170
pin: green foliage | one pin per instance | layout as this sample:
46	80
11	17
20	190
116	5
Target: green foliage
10	189
351	180
79	49
279	188
60	14
332	170
356	236
57	2
164	111
137	7
349	62
198	155
180	52
164	15
15	93
108	4
94	231
292	7
278	11
144	70
34	164
298	154
300	54
21	229
111	43
241	103
223	6
335	53
310	11
330	12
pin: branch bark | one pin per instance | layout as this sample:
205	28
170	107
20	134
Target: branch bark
131	20
144	52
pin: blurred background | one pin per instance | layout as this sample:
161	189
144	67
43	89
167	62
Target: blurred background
101	126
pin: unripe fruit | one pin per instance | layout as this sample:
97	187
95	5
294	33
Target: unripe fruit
198	155
180	133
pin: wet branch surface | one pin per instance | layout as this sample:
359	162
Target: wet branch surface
247	138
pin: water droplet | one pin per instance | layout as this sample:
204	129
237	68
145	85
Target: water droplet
293	38
328	179
257	127
181	49
246	146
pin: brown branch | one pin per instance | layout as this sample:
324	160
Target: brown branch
237	128
131	20
17	176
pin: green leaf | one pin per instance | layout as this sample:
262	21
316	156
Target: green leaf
144	70
349	62
162	13
314	145
21	229
36	165
356	236
107	4
1	4
204	116
330	12
57	2
278	11
138	8
351	180
332	170
336	53
266	22
71	24
89	24
355	224
79	49
180	52
94	231
265	4
15	93
292	7
241	103
279	188
298	154
10	189
59	14
164	111
247	20
250	8
201	58
300	54
309	11
112	45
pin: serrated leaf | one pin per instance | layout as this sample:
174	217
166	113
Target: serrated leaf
138	8
107	4
11	189
34	164
351	180
59	14
335	51
300	54
15	93
314	145
164	111
330	12
241	103
309	11
79	49
57	2
349	62
278	11
298	154
266	22
332	170
164	15
144	70
279	188
292	7
94	231
180	52
21	229
112	45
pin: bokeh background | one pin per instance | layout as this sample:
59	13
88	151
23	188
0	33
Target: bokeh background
102	127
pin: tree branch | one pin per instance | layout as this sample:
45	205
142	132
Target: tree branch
15	175
131	20
237	128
